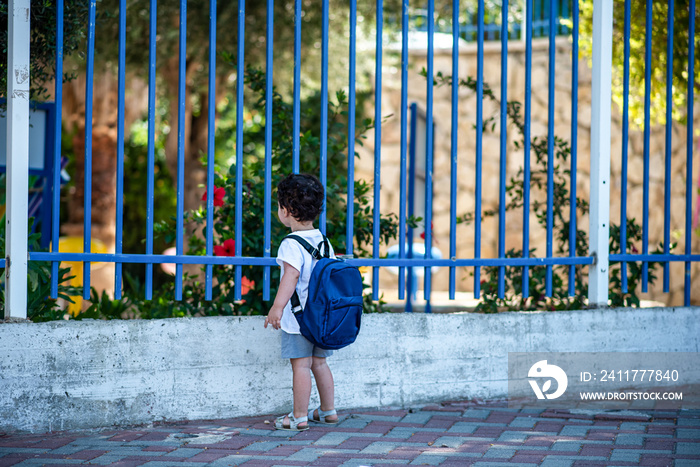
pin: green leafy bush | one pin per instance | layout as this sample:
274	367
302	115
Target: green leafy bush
560	299
40	306
194	301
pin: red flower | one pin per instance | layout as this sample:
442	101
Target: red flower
227	249
246	285
219	193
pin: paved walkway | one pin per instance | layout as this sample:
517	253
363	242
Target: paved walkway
482	434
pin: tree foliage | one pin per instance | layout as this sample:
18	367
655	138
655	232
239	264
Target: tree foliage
659	56
255	37
42	46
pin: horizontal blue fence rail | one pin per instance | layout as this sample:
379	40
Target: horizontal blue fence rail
374	262
538	21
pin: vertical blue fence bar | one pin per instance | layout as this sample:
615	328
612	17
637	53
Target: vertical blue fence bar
647	124
550	142
430	133
538	17
268	145
324	113
87	186
453	164
526	146
240	87
211	149
574	145
180	148
150	190
297	85
689	153
350	215
479	145
669	136
411	280
564	14
120	149
56	200
625	144
403	175
377	148
503	149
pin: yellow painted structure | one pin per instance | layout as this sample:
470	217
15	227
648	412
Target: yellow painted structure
75	245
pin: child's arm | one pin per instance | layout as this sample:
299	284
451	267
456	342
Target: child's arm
287	286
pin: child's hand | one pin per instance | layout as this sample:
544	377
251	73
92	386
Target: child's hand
284	293
274	317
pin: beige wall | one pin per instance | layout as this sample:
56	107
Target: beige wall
390	152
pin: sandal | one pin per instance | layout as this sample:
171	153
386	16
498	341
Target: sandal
322	416
293	423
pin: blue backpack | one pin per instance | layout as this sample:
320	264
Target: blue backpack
333	311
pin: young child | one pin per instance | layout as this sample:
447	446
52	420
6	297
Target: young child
300	199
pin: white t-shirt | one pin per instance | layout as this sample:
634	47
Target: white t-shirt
292	253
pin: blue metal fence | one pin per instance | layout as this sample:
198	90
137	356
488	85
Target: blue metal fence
534	14
539	13
689	153
667	257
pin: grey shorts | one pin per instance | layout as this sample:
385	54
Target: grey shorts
297	346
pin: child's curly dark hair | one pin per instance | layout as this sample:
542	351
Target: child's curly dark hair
302	196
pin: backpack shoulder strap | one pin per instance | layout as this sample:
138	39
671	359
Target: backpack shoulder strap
314	252
296	303
323	246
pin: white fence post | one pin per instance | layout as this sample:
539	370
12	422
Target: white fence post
17	160
599	229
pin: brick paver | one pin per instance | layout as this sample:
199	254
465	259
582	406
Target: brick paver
454	433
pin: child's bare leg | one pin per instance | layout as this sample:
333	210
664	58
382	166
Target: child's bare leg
301	386
324	383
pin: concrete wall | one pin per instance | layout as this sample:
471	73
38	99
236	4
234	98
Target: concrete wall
72	374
